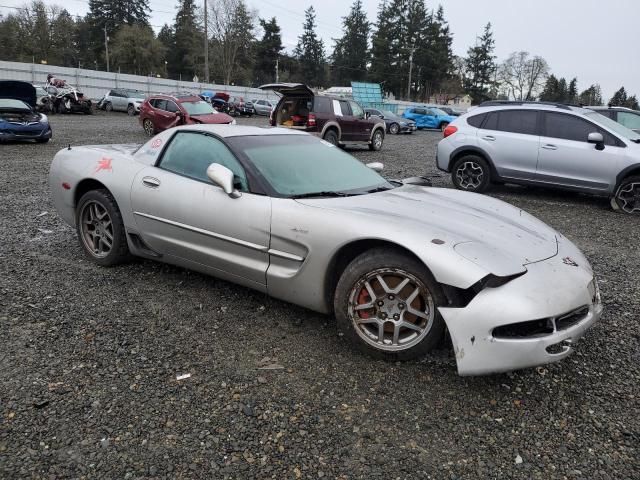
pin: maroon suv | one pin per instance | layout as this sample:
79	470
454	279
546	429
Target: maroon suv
337	120
160	112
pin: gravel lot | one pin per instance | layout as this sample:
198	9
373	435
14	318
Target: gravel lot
89	360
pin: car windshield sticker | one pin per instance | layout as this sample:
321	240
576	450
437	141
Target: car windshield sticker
104	164
157	143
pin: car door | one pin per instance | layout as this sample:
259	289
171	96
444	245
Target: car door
417	115
118	100
346	120
511	140
566	158
430	119
181	214
630	120
163	117
361	125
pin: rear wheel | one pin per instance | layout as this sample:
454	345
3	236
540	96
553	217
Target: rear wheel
377	140
131	110
627	197
100	228
149	129
394	128
331	136
471	173
386	305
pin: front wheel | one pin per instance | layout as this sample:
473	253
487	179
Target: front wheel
100	228
149	129
108	107
394	128
627	197
471	173
131	110
386	305
377	140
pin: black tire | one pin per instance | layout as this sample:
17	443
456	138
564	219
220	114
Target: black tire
377	140
108	107
627	196
349	291
331	136
149	128
471	173
394	129
119	250
131	110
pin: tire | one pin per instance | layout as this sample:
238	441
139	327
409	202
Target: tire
471	173
394	129
108	107
131	110
443	125
149	128
100	229
377	140
627	196
358	286
331	136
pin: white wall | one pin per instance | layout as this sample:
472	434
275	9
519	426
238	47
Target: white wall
95	84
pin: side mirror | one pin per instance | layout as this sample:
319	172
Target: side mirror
597	139
376	166
223	177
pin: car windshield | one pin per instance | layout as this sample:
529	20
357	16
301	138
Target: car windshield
388	113
12	104
134	94
613	126
299	165
198	108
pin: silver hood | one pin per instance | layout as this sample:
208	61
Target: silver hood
487	231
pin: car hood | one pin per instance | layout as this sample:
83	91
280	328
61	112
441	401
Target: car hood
211	118
470	222
19	91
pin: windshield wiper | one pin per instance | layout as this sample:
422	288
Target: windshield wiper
379	189
322	194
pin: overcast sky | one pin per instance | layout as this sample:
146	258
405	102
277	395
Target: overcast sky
594	40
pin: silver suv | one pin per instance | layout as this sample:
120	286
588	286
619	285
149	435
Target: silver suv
122	100
535	143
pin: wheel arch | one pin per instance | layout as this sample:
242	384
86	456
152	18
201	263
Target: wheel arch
87	185
331	126
376	127
471	150
627	172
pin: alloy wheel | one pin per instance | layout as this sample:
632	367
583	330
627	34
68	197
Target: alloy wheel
148	127
628	197
377	140
394	128
470	175
391	309
96	229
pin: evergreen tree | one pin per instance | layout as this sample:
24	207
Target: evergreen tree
268	50
591	96
434	60
136	50
550	90
561	92
310	52
619	98
112	14
186	55
632	102
167	37
572	91
381	69
481	67
350	53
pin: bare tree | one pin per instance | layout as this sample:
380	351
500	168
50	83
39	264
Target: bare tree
523	76
232	31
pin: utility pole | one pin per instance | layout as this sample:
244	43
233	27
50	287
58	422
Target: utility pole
206	45
277	75
413	49
106	46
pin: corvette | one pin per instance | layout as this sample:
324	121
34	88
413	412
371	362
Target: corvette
293	216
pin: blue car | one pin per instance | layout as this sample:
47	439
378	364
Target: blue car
19	119
428	117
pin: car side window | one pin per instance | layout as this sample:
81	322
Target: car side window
476	120
190	154
518	121
629	120
171	107
431	113
322	105
419	111
344	106
492	121
569	127
160	104
356	110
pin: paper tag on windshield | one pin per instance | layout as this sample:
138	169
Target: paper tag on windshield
324	142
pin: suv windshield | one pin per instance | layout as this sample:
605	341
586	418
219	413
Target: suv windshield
298	165
198	108
134	94
613	126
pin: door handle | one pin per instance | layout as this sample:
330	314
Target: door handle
151	182
548	146
489	138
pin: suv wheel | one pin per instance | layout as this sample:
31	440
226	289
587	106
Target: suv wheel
131	110
627	196
377	140
332	137
471	173
108	107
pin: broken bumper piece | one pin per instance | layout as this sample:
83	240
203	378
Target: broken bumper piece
533	320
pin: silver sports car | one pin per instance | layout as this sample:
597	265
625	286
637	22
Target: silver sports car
293	216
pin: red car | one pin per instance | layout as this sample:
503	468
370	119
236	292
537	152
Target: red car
160	112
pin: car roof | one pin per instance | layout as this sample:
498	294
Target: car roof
528	106
179	97
603	107
226	131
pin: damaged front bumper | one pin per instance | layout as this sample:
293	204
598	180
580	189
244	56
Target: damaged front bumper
532	320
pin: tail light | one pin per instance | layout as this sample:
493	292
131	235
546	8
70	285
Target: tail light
311	120
449	130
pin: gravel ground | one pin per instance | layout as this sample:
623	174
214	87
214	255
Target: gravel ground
90	356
